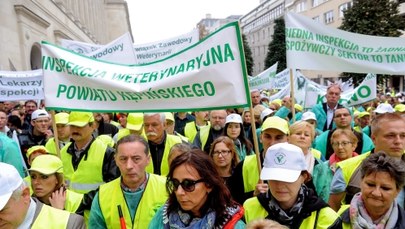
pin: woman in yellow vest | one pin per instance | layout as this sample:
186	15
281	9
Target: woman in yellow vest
288	200
47	184
383	177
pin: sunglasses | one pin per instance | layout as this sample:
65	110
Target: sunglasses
187	185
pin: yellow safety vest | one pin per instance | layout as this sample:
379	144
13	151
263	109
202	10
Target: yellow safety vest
342	209
316	153
50	217
111	195
350	165
73	201
204	133
250	173
89	173
190	130
327	216
124	132
164	167
51	146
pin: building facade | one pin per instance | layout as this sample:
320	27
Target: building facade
25	23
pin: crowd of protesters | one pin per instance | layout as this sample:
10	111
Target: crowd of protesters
328	166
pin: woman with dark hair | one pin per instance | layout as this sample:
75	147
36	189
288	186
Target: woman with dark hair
383	177
198	198
223	153
234	130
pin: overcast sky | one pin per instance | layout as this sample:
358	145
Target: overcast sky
153	20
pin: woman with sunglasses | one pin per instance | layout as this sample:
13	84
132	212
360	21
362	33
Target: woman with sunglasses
223	153
198	197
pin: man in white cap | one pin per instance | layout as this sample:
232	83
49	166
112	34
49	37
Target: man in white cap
38	134
19	210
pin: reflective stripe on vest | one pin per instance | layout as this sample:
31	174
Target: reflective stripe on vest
50	217
89	173
250	173
164	167
111	195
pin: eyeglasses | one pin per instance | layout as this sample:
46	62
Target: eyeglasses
187	185
343	144
222	152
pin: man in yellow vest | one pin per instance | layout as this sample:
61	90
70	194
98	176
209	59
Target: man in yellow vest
62	128
134	126
207	134
191	128
19	210
388	135
159	142
132	199
87	161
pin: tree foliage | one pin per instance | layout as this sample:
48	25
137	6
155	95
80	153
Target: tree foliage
377	18
276	50
248	56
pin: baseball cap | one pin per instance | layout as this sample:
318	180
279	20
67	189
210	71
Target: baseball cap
47	164
10	180
234	118
363	113
298	107
276	122
39	148
309	115
266	112
384	108
400	108
39	114
62	118
134	121
278	101
283	162
169	116
80	119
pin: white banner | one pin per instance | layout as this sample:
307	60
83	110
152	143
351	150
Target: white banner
307	93
265	80
312	45
22	85
202	76
158	50
79	47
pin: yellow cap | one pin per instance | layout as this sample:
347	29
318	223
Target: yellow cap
276	122
38	148
356	113
47	164
298	107
363	113
134	121
169	116
399	108
62	118
80	119
278	101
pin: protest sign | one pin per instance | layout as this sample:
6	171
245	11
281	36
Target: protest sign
312	45
21	85
158	50
265	79
79	47
208	75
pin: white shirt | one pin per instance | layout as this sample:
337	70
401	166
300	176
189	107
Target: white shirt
329	113
29	217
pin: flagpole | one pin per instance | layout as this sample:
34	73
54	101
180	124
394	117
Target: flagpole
292	94
55	133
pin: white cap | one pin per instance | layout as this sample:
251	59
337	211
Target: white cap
10	180
309	115
399	94
266	112
235	118
384	108
283	162
39	114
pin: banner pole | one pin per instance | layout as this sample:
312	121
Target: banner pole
55	133
292	94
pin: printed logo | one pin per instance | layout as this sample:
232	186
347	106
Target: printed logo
280	158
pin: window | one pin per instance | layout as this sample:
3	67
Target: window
344	7
316	3
328	17
301	6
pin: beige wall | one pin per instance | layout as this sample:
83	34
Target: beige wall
25	23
